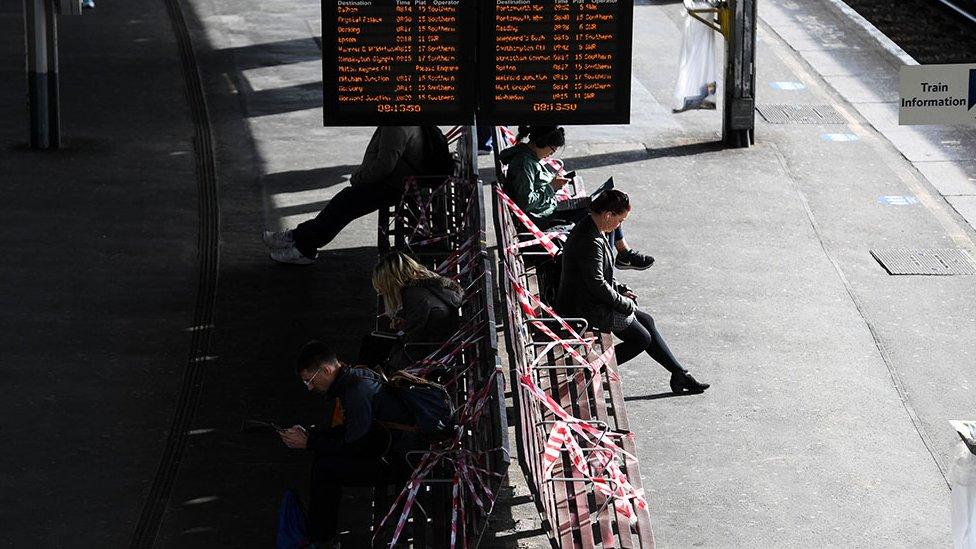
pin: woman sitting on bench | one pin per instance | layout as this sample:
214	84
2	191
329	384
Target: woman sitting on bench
423	305
533	187
587	289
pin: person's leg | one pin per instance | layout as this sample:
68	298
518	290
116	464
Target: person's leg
349	204
330	473
618	240
634	339
657	348
627	257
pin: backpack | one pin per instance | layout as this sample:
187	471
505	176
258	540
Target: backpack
430	403
437	156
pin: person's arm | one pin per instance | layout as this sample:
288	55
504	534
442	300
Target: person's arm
392	144
415	312
357	407
324	439
532	192
590	258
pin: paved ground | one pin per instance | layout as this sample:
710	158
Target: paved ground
832	380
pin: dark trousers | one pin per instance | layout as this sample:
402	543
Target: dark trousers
332	472
351	203
642	336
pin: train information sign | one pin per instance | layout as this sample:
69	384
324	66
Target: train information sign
398	62
555	61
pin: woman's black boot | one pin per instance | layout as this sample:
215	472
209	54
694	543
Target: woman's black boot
681	383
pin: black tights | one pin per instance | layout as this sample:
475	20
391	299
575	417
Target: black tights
641	336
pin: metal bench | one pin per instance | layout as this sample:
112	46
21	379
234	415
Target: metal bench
577	512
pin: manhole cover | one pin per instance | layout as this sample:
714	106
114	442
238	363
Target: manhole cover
800	114
939	262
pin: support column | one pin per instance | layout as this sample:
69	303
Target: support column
41	34
739	118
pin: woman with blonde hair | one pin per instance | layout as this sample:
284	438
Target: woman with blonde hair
423	305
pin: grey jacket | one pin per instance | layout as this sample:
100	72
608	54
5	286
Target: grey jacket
393	153
430	315
587	288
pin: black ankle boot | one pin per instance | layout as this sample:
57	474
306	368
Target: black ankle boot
681	383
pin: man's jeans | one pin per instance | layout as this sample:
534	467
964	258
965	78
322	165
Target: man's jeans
351	203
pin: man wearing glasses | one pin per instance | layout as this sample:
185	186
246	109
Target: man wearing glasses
353	449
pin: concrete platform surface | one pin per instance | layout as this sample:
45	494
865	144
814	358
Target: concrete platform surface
832	380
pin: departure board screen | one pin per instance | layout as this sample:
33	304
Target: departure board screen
555	61
398	62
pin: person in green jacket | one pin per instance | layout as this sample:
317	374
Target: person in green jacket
533	187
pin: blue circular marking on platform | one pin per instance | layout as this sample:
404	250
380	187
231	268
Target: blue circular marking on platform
891	200
838	137
787	86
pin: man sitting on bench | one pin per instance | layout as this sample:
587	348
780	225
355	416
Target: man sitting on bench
533	188
357	447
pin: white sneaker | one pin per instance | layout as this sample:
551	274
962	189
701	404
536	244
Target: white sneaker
290	255
278	240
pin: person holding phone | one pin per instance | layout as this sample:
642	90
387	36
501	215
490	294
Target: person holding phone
356	447
587	289
533	188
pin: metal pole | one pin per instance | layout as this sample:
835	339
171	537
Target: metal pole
739	118
40	31
53	76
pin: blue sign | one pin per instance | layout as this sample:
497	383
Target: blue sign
838	137
787	86
897	200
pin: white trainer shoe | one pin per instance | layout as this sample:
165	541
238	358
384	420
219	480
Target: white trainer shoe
290	255
278	240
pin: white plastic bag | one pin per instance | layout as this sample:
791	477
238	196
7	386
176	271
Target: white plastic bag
962	478
696	73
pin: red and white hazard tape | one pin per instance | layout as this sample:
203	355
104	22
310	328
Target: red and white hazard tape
545	239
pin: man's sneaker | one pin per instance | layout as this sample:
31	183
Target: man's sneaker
291	255
632	259
278	240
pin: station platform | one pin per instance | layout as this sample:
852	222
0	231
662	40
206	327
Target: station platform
134	294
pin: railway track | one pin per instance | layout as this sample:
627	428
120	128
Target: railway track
144	535
965	8
931	31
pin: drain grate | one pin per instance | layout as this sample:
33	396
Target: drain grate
800	114
936	262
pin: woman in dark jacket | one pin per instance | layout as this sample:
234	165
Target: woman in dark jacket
587	289
422	304
533	188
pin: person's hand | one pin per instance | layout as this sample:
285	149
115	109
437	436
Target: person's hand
631	294
295	437
558	182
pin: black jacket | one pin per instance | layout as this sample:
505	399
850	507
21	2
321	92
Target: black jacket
586	287
430	315
365	399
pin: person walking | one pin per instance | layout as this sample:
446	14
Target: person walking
393	153
587	289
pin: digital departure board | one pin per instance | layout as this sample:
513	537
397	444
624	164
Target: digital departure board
555	61
399	62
